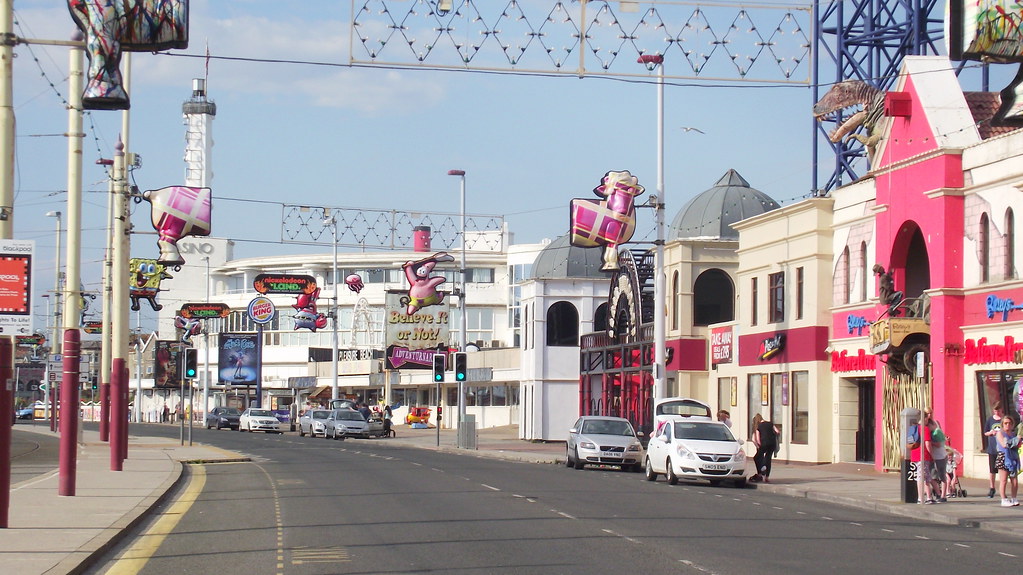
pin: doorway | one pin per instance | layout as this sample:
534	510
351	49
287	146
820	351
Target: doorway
865	420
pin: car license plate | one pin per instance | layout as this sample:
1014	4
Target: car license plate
715	467
610	454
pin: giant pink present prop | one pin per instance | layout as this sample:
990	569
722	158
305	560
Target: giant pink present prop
178	212
607	222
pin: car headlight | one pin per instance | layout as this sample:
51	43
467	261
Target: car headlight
740	455
685	452
587	445
635	447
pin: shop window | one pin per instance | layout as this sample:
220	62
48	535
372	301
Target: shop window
800	407
997	386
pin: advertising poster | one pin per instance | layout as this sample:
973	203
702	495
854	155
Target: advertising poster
239	360
16	287
168	361
412	339
720	345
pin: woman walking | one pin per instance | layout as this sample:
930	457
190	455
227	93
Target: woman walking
765	437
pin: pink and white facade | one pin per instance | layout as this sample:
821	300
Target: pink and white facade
937	210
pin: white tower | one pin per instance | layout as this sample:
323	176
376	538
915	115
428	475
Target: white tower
199	114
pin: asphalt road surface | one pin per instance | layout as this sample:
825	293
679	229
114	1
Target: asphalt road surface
315	506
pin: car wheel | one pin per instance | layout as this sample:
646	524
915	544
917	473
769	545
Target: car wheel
740	483
649	469
579	463
301	431
637	468
568	459
669	473
715	482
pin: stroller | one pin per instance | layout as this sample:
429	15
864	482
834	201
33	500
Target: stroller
955	488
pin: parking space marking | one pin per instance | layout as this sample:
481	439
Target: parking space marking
490	487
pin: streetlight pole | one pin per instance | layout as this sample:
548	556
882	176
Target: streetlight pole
652	61
461	299
55	334
206	344
331	221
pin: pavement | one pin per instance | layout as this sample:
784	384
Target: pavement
52	534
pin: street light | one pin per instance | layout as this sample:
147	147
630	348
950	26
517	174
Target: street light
461	300
55	345
331	221
652	61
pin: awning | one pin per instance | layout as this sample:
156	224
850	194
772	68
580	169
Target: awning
321	392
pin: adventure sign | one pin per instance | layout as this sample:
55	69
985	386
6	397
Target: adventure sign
284	284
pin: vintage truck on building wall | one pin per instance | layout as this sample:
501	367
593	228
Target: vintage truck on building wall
902	339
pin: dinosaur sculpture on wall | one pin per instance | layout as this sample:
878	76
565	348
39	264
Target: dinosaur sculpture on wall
848	94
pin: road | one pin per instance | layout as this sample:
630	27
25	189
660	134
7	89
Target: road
315	506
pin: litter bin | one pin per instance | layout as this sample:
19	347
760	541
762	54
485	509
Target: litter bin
910	469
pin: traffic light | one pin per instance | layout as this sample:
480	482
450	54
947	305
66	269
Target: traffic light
438	367
191	370
460	366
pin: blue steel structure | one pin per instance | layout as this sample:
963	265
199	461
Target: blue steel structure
864	40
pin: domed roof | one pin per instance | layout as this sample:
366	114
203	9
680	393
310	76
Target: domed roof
560	260
711	214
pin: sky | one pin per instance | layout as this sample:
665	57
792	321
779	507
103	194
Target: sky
297	124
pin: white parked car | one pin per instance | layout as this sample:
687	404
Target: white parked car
602	440
688	448
259	419
312	422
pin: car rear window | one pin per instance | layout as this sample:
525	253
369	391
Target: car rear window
321	414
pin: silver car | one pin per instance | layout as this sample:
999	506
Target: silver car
258	419
343	423
686	448
604	440
312	422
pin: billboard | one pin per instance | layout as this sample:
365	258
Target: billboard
16	287
412	339
167	372
239	359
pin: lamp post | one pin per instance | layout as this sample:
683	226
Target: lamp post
461	298
652	61
331	221
55	337
206	344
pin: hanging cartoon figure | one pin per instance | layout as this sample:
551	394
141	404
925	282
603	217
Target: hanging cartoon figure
354	282
307	317
188	327
146	275
422	291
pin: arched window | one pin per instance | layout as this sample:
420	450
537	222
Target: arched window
674	300
864	274
713	298
600	318
1010	245
562	325
844	268
983	247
